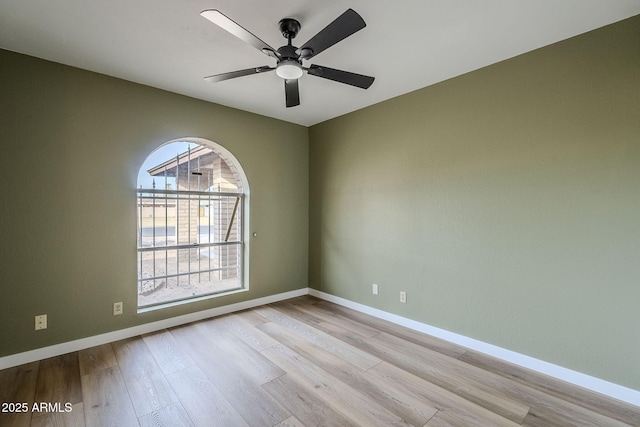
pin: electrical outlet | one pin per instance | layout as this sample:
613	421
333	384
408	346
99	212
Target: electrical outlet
375	289
41	322
403	297
117	308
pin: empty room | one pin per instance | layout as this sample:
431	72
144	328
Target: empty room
219	213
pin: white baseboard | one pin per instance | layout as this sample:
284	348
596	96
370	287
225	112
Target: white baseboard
81	344
573	377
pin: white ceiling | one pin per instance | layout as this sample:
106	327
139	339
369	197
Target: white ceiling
407	44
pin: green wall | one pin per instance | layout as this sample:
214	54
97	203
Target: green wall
506	202
71	144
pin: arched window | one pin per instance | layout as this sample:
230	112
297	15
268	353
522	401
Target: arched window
191	198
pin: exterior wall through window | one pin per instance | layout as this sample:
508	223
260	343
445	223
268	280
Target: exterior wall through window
191	200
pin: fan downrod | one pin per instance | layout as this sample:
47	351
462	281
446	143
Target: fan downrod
289	28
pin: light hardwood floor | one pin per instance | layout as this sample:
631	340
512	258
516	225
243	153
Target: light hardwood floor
301	362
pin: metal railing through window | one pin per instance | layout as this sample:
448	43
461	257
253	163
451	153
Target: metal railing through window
189	244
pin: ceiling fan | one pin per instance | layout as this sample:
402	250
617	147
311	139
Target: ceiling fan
289	58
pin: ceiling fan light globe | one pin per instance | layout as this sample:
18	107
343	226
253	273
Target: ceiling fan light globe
289	70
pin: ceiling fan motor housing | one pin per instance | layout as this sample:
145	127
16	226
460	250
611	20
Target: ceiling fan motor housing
289	27
289	52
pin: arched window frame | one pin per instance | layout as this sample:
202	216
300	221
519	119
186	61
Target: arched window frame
242	206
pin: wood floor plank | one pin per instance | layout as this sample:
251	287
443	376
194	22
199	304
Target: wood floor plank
321	339
449	373
563	414
296	311
59	380
246	331
492	391
173	415
251	316
96	358
168	353
446	419
237	355
253	404
472	414
18	385
73	418
205	404
412	410
435	344
326	316
349	402
604	405
290	422
106	401
544	420
241	386
309	411
15	419
145	382
441	370
543	417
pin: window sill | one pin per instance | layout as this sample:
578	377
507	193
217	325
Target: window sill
147	309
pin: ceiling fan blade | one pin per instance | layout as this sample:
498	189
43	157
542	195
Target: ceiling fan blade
292	92
239	73
340	76
341	28
240	32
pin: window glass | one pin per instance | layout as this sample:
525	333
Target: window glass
190	207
